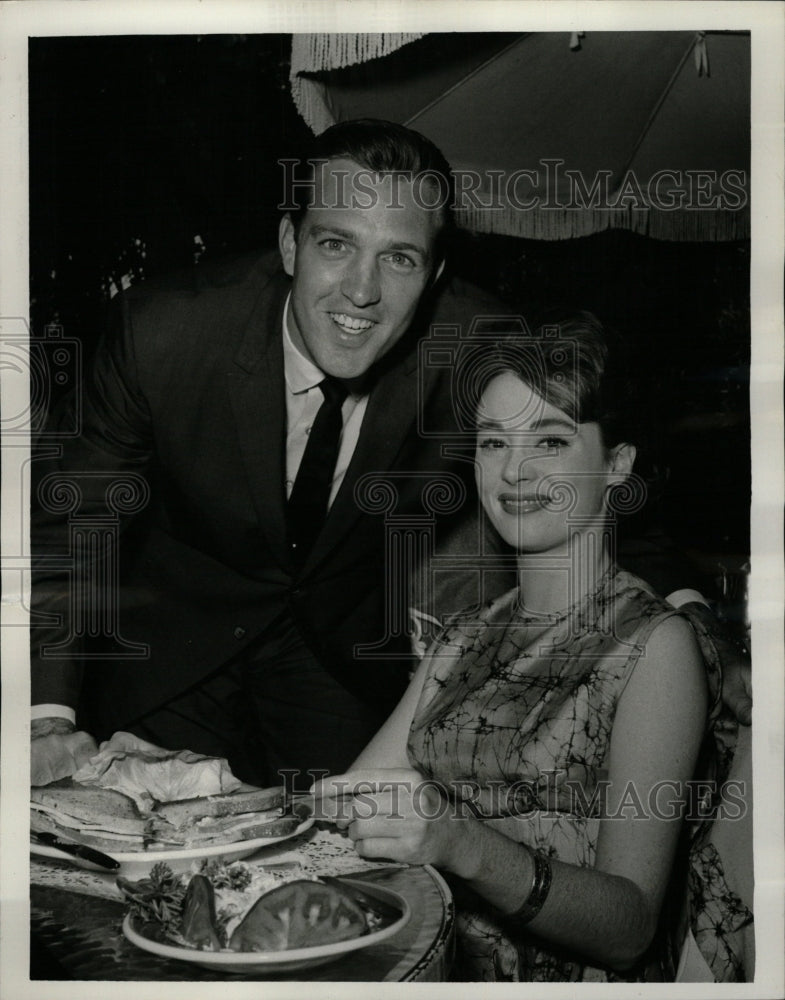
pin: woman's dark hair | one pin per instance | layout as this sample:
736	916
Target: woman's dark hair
573	362
385	148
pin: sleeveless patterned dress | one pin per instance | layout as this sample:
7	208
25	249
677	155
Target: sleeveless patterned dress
519	714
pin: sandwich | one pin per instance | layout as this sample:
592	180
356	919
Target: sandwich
111	821
222	819
97	817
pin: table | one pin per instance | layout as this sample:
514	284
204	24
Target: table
75	919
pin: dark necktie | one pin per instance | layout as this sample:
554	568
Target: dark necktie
307	507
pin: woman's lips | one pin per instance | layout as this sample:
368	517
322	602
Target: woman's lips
514	504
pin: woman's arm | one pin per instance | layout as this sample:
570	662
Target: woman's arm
611	911
608	913
657	734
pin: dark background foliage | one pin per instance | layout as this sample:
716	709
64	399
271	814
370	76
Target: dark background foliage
153	153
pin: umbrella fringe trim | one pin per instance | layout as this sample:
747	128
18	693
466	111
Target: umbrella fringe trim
555	224
315	53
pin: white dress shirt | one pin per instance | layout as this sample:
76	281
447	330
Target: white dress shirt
303	399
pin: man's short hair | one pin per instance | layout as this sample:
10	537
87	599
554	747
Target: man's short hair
384	148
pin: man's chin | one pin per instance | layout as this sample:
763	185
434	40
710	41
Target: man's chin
347	362
347	371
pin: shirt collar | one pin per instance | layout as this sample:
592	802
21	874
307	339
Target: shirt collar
301	373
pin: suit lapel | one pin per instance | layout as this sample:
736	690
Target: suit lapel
256	391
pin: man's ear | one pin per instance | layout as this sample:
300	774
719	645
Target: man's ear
622	459
287	244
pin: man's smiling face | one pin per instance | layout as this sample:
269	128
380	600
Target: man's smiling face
358	272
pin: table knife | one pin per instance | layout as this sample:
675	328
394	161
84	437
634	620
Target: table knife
80	851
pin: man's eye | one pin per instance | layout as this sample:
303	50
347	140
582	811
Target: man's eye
490	444
332	244
552	442
401	260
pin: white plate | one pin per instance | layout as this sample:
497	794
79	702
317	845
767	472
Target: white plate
136	864
274	962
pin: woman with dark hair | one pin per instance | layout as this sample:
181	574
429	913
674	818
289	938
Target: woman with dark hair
542	753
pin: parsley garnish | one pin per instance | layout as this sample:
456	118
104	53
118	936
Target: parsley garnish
156	900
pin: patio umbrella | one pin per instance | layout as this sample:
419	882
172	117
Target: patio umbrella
555	136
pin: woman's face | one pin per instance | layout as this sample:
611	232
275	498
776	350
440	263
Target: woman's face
526	448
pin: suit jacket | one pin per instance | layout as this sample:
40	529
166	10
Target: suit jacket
183	413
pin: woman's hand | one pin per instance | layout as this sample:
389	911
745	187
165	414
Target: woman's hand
398	814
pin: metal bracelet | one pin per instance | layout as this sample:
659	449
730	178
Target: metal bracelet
541	884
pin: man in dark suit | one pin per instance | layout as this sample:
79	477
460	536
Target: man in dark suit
252	613
225	625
